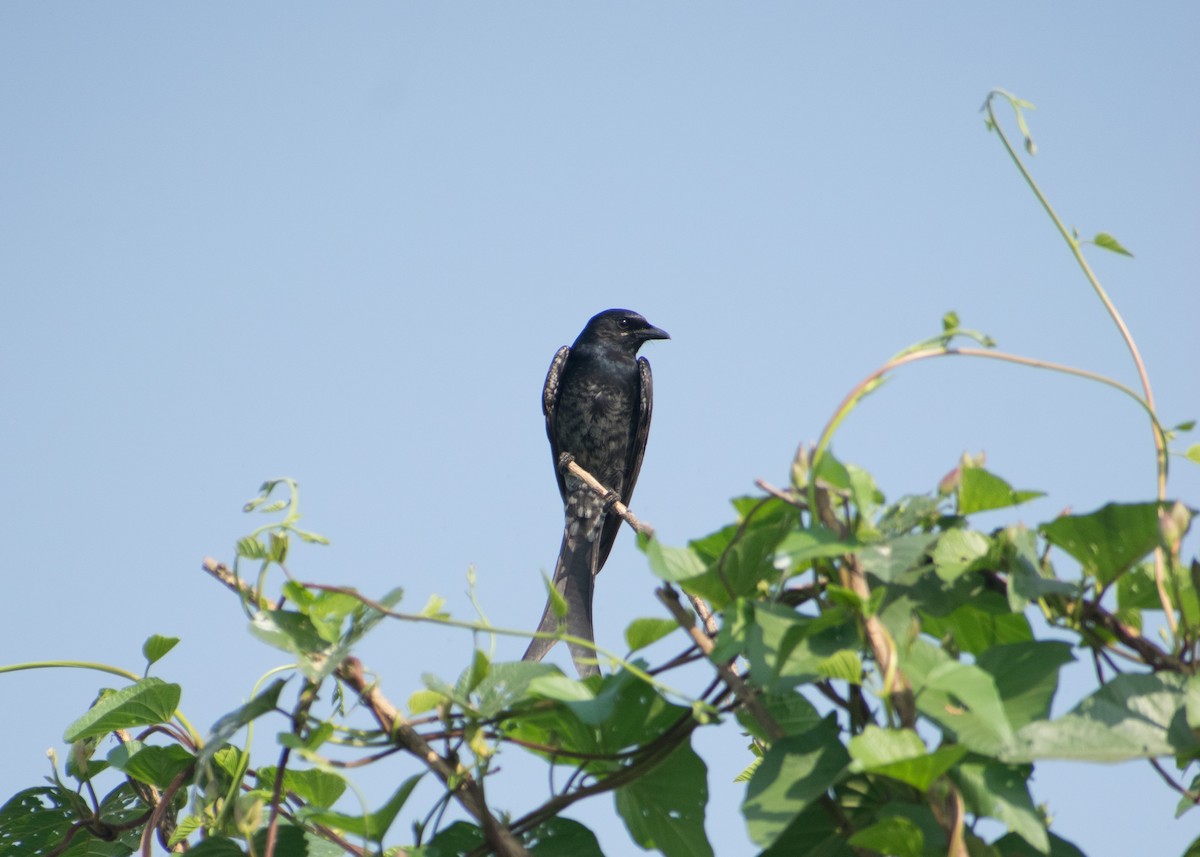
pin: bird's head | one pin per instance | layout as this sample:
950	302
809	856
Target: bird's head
622	327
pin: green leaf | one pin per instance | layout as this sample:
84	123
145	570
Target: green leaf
558	603
889	559
293	841
562	837
738	557
1000	791
216	846
1027	580
320	789
1012	845
144	703
959	551
785	648
901	755
150	764
794	773
790	711
1107	242
642	632
1026	676
374	825
506	683
1108	541
665	808
228	726
843	666
802	546
251	548
984	621
1131	717
961	697
34	821
457	839
157	646
1193	453
672	564
1136	589
896	836
981	491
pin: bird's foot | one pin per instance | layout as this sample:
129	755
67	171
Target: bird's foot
610	498
564	462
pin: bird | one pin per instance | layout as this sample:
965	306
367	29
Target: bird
597	401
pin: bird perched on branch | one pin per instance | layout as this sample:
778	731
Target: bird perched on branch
597	401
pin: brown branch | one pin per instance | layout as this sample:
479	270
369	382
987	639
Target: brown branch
567	462
465	788
1091	611
670	599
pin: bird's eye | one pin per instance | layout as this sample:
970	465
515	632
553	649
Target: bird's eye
623	323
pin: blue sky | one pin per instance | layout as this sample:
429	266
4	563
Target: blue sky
342	242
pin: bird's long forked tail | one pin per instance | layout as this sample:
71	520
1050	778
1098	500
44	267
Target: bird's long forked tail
574	579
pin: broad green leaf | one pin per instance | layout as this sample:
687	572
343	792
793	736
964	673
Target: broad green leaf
794	773
1131	717
1000	791
984	621
143	703
216	846
802	546
959	551
1193	453
790	711
980	491
289	631
813	832
889	559
34	821
785	648
1026	579
1107	242
506	683
150	763
896	836
156	646
642	632
373	825
1108	541
319	789
909	513
901	755
671	564
457	839
562	837
1026	675
961	697
738	557
664	809
1011	845
293	841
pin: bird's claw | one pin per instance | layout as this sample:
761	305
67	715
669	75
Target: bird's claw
564	462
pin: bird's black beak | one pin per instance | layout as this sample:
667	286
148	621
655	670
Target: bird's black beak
653	332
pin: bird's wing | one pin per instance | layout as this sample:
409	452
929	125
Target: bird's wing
633	464
550	406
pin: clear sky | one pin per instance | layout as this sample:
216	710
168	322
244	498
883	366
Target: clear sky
341	242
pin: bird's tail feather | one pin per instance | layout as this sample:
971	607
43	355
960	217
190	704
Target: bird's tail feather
573	579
